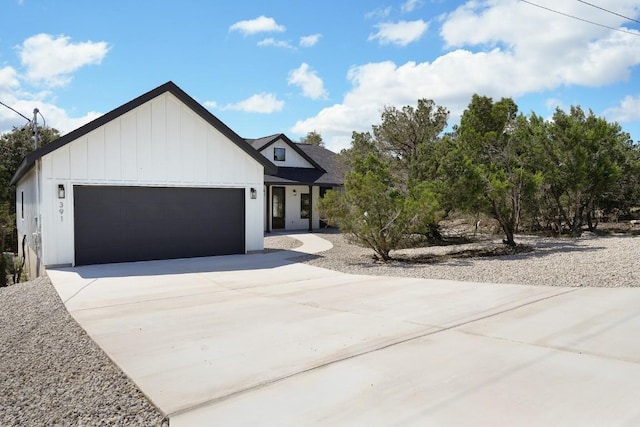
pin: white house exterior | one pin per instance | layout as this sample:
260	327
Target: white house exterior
304	173
142	177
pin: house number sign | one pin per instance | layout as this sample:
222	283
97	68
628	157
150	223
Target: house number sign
61	210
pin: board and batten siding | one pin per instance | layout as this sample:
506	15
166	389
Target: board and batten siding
160	143
26	219
293	221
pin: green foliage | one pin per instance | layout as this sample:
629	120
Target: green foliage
494	174
409	138
382	204
557	175
583	159
313	138
14	146
374	211
551	175
625	193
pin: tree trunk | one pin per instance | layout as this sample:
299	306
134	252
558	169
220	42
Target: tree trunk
576	226
384	254
562	215
509	240
433	232
516	207
505	225
590	217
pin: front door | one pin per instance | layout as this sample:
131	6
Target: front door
277	208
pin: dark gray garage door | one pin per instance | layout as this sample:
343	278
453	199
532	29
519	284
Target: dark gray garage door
120	224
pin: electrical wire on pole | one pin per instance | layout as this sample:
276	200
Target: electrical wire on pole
34	123
16	111
581	19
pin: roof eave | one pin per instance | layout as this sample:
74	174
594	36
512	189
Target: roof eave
23	168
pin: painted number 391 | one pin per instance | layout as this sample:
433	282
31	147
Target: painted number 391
61	210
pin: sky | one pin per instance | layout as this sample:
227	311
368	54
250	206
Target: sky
282	66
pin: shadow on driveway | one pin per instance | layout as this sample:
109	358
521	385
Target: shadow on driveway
253	261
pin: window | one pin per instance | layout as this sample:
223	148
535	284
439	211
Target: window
22	205
278	154
305	206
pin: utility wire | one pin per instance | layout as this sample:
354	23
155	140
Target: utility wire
609	11
17	112
580	19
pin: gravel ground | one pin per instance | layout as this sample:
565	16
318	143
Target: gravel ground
612	261
53	374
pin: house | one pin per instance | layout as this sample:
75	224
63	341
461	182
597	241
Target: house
159	177
304	173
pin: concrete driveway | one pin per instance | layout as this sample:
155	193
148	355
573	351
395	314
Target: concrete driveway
261	340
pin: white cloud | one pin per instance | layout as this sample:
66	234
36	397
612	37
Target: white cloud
410	6
52	61
8	118
547	46
211	104
627	111
264	103
261	24
312	85
309	41
58	118
271	42
8	78
378	13
399	33
531	52
483	23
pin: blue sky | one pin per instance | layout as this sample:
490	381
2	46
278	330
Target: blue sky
266	67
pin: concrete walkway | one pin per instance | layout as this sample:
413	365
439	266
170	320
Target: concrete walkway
261	340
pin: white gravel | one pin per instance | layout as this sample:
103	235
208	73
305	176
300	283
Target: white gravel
612	261
53	374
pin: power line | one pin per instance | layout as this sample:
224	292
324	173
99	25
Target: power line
17	112
609	11
580	19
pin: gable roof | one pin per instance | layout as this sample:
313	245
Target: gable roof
261	143
29	160
328	174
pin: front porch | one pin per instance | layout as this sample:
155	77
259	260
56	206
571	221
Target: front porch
293	207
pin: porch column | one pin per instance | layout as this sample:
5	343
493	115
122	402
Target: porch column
268	206
310	208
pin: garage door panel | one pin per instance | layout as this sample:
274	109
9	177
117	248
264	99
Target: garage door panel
118	224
